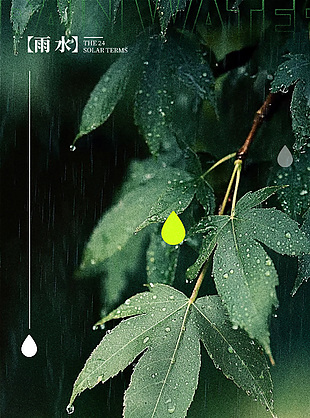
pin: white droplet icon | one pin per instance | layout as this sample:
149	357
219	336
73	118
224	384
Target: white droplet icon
285	157
29	347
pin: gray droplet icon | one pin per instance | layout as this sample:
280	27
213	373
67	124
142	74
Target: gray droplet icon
285	158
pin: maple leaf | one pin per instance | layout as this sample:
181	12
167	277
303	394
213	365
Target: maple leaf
161	259
158	104
180	192
73	12
296	71
244	274
145	183
109	90
294	199
167	10
177	197
21	12
166	330
303	273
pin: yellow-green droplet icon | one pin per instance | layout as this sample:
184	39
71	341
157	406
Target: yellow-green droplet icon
173	231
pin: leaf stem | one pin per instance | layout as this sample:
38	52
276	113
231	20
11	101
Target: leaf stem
198	284
271	359
222	160
238	165
231	181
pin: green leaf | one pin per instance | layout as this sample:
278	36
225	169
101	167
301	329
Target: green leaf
166	331
205	195
303	273
211	226
244	274
245	284
76	18
296	71
21	12
294	199
65	12
252	199
194	71
154	99
160	99
120	269
109	90
146	182
190	159
168	9
178	197
161	259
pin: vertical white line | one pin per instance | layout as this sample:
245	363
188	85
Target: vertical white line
29	202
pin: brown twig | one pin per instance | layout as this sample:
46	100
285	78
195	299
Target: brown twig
265	111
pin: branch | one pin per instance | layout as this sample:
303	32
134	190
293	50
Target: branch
265	112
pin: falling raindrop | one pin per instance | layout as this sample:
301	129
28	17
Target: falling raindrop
173	231
70	409
29	347
285	158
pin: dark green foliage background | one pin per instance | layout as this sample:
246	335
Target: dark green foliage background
72	190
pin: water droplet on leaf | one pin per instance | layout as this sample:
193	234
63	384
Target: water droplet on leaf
29	347
285	157
72	148
171	409
173	231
